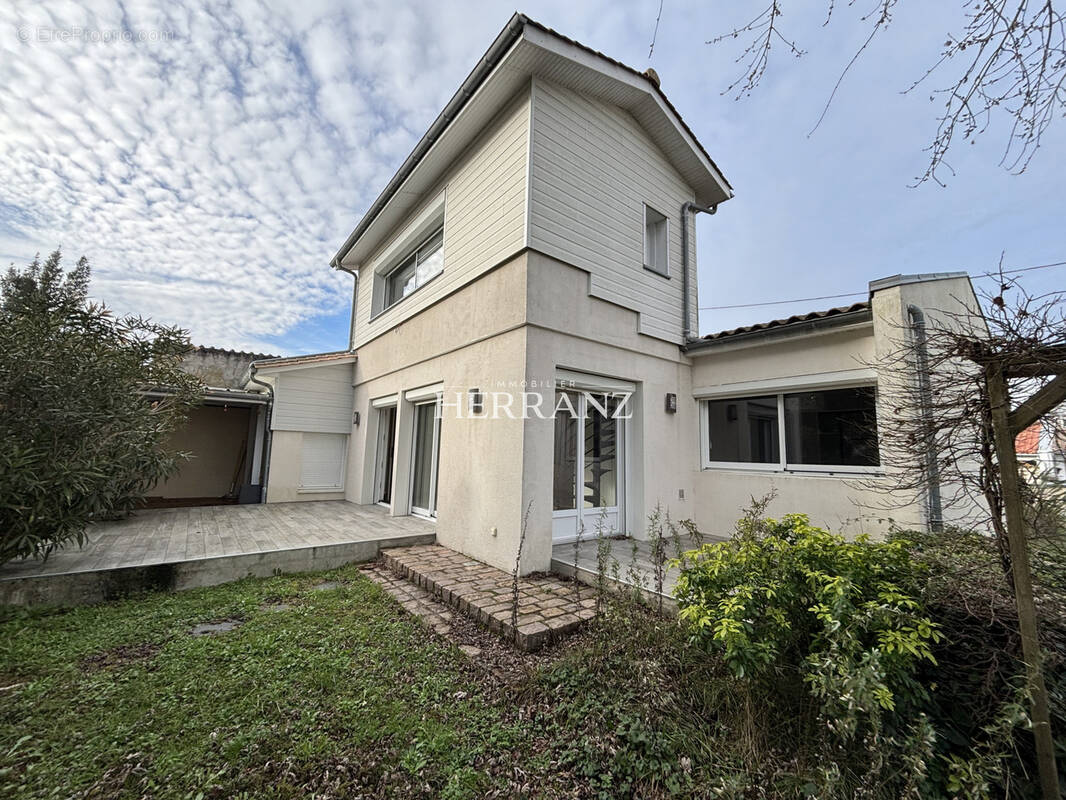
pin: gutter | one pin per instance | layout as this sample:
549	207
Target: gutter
933	509
267	432
487	63
807	326
686	304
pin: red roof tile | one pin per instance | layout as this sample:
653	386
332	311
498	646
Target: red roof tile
1027	443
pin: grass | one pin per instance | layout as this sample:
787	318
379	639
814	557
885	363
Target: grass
340	694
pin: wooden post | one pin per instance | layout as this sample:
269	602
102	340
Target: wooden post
999	400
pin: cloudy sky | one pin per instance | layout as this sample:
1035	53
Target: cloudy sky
210	162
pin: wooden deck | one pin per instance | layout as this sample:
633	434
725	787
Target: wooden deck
185	547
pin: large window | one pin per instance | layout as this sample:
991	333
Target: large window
422	265
818	430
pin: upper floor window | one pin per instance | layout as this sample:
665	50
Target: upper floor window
656	247
423	264
828	430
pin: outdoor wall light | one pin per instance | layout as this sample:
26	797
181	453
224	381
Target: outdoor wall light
355	418
671	403
477	401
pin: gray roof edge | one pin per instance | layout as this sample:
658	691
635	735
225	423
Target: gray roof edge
499	47
858	317
922	277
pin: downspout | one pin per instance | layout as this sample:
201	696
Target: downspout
933	508
686	304
266	431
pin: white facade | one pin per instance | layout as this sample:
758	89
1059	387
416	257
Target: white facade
557	176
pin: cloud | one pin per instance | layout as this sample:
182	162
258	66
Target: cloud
210	171
210	166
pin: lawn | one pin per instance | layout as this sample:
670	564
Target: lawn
332	692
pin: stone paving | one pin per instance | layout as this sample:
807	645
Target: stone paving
548	606
416	600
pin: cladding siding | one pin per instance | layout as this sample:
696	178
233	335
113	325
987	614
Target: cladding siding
484	218
592	169
315	400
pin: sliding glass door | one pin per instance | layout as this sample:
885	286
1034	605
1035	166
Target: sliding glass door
589	466
425	459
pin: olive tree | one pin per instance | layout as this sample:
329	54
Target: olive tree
79	440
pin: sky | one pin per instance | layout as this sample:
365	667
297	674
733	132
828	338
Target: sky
210	157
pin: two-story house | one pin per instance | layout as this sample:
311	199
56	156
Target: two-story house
524	349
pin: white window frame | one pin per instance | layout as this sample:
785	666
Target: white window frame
652	268
783	465
413	254
381	450
434	400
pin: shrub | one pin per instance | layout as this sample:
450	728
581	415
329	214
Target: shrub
78	440
979	708
824	629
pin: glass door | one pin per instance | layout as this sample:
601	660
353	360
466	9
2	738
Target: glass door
386	455
588	482
425	459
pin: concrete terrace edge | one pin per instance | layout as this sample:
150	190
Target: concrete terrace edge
90	587
590	578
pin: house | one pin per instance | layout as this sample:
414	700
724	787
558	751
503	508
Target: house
1041	449
536	253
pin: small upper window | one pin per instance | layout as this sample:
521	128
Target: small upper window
425	263
656	251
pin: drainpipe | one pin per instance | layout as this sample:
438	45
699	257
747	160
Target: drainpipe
933	509
266	432
686	306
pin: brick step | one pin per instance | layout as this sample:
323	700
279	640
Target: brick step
549	607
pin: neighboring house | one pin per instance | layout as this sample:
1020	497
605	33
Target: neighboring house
1041	448
539	243
225	436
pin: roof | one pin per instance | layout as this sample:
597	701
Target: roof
523	48
856	312
1027	443
644	75
338	356
223	351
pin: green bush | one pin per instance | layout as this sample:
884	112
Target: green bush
829	632
78	439
979	708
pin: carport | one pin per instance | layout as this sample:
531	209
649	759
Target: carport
225	438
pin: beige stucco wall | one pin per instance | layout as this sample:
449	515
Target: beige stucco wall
947	303
286	456
214	436
846	504
570	330
472	339
508	332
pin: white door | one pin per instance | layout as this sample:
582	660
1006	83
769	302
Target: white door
425	458
589	481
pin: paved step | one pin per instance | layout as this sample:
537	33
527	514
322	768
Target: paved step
549	607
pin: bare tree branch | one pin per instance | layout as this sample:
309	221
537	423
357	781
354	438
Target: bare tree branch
1011	65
